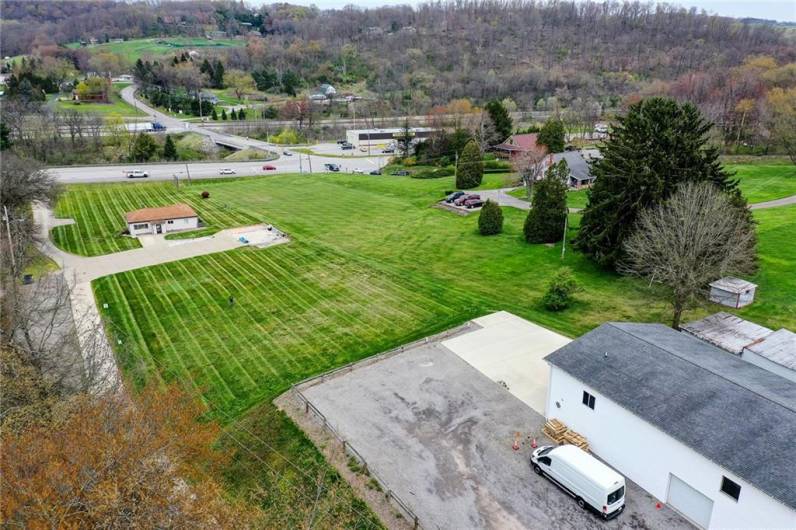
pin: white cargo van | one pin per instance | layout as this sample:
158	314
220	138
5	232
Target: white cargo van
585	478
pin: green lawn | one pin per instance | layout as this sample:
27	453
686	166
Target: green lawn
761	183
575	199
116	106
758	182
371	265
137	48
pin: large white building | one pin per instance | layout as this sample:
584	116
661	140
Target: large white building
384	137
701	429
161	220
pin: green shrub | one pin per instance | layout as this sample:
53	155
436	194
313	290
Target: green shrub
409	161
434	173
471	168
490	222
288	137
560	290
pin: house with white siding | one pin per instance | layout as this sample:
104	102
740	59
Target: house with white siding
701	429
161	220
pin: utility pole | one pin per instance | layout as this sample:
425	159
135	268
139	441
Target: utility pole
300	165
456	167
200	104
564	241
187	172
309	161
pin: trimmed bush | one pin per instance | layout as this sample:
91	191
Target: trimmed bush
205	194
560	290
434	173
490	222
471	168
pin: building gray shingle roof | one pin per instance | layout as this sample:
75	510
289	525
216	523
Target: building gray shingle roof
736	414
578	167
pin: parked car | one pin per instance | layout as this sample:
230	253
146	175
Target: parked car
136	174
375	171
269	167
226	171
342	141
400	173
331	167
473	203
388	151
363	148
466	197
287	153
590	482
357	171
453	196
346	146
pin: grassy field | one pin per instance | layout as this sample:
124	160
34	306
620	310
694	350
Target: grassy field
758	182
371	265
116	105
134	49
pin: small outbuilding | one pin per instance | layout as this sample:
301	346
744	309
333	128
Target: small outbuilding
732	292
161	220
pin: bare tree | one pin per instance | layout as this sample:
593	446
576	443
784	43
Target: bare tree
698	235
531	165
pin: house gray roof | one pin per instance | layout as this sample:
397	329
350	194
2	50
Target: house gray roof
727	331
778	347
578	167
734	413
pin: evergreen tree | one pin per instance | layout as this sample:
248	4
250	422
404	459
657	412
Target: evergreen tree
241	114
5	139
217	74
552	135
144	147
658	145
214	115
233	115
490	221
500	118
470	170
169	149
224	114
545	221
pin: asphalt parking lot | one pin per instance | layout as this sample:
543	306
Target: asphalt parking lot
440	434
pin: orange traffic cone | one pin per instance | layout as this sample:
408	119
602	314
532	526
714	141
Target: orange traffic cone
658	506
533	443
516	444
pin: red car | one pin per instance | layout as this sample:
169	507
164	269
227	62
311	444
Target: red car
461	200
269	167
473	203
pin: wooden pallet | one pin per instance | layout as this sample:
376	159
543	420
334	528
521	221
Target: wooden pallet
555	429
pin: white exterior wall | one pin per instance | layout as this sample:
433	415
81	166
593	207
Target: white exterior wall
647	456
176	225
762	362
720	296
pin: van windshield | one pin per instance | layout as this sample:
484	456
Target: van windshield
545	450
615	496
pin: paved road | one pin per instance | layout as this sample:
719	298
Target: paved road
773	204
292	163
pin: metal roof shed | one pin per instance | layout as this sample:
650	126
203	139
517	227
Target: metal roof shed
732	292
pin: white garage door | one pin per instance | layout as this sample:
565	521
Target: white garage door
689	502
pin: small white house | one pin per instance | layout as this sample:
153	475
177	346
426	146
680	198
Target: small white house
161	220
732	292
697	427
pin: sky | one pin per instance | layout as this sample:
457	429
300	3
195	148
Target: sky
782	10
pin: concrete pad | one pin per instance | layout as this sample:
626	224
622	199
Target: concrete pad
510	349
438	434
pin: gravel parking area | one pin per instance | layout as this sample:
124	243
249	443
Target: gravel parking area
440	435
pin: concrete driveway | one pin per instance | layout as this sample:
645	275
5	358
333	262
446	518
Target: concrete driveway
439	434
